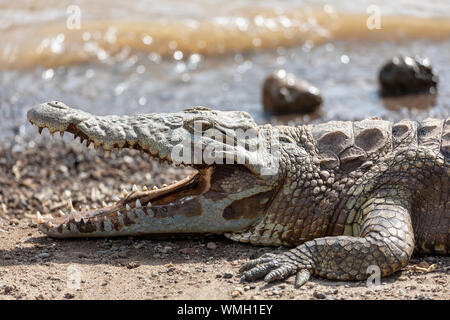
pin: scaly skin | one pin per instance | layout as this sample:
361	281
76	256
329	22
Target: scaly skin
346	195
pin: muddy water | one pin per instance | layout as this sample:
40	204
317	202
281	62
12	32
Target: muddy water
156	56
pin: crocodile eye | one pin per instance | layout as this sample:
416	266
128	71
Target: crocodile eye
198	125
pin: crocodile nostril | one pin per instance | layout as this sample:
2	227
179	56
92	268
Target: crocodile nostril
57	104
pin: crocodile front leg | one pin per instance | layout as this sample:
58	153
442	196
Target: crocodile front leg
386	240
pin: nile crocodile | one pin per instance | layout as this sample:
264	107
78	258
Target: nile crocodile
346	195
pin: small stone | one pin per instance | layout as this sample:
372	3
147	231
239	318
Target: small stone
43	255
69	295
6	288
164	250
211	246
424	264
228	275
277	291
284	93
235	293
133	265
319	295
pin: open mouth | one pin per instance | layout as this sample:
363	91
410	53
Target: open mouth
143	200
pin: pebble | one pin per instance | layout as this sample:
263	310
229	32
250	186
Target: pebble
228	275
164	250
43	255
319	295
211	246
133	265
235	293
69	295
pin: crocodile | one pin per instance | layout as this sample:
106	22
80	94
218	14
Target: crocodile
345	196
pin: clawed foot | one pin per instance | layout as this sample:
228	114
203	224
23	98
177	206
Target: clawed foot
277	267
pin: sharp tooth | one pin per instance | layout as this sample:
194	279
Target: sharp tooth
60	213
77	218
127	207
118	213
155	188
149	204
86	208
144	188
39	217
104	204
134	188
69	204
50	224
138	203
124	193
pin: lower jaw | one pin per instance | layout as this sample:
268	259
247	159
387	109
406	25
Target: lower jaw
130	215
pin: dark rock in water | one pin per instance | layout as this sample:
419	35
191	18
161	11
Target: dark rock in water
284	93
404	75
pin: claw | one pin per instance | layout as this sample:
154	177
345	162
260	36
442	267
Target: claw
302	277
280	273
40	220
252	263
258	271
70	204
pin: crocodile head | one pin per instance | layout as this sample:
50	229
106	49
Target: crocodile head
236	171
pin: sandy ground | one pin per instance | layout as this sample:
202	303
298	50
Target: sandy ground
33	266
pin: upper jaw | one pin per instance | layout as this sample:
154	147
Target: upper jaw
167	136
